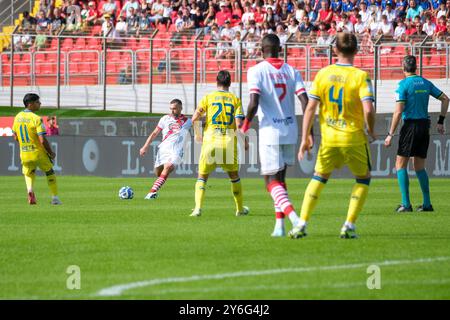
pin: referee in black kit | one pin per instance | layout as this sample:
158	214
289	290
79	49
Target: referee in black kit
412	97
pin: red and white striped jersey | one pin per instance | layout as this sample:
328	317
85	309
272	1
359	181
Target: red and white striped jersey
173	127
277	84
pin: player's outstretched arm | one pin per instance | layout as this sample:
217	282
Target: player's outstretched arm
197	124
399	106
444	108
308	117
46	146
150	138
251	112
369	117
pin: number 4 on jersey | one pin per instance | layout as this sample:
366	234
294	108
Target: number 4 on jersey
338	101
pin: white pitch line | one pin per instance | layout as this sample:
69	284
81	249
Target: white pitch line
118	290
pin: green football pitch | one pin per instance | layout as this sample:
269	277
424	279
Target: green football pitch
139	249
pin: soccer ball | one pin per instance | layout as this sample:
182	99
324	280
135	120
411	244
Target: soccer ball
126	193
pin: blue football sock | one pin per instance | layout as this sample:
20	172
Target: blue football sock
403	182
425	186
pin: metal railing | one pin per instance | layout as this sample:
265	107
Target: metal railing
160	58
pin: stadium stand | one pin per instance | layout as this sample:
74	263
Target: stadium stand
126	28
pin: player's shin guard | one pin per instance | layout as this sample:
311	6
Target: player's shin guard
29	181
236	189
158	183
357	199
425	186
281	200
403	182
311	197
200	188
51	181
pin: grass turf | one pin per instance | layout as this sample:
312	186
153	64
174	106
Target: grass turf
74	113
122	241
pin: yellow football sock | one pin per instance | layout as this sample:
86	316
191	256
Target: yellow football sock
236	189
357	199
312	194
29	181
200	188
51	181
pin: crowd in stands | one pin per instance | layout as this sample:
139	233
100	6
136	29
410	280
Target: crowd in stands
229	21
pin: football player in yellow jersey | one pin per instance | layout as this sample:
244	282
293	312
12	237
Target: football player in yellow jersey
223	112
35	151
345	96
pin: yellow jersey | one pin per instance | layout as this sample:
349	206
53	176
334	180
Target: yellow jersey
341	89
28	127
221	108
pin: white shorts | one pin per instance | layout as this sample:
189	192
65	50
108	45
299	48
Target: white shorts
171	154
275	158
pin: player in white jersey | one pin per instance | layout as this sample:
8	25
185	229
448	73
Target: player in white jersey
273	86
174	127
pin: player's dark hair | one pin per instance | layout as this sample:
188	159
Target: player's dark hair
270	45
409	64
29	98
224	79
177	102
346	43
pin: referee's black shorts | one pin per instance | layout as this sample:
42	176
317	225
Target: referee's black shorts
414	138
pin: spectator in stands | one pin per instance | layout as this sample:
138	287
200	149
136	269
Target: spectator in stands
306	26
325	14
22	42
89	14
418	25
144	23
442	10
428	27
386	27
293	25
389	13
336	6
42	22
166	16
223	15
73	18
52	128
107	24
441	32
345	25
132	22
365	14
259	15
126	75
300	11
414	10
223	49
109	7
401	6
332	31
265	29
235	44
347	6
198	20
121	25
271	18
28	22
281	33
360	27
285	15
400	30
248	13
228	32
130	4
146	5
251	49
58	22
157	12
269	4
236	13
40	40
322	40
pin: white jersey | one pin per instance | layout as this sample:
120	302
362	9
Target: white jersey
277	85
173	129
